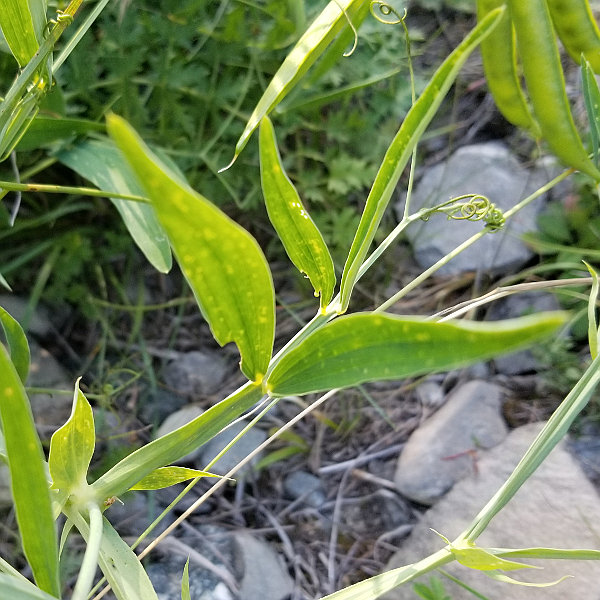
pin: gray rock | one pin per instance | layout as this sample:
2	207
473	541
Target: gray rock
196	373
37	322
159	404
248	443
178	419
133	513
50	411
5	493
488	169
430	394
555	508
263	574
441	451
514	306
301	484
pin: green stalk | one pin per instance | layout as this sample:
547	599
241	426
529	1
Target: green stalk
90	558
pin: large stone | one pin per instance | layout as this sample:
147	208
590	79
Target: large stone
197	374
444	449
179	419
556	508
488	169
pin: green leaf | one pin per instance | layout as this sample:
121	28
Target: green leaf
322	31
593	331
370	346
301	238
19	24
100	162
17	344
30	489
397	155
174	445
46	130
591	98
222	262
72	447
12	588
4	283
506	579
185	582
167	476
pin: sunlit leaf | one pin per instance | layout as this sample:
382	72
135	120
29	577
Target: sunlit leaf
72	446
370	346
593	331
332	20
185	582
222	262
12	588
591	98
167	476
173	446
29	484
506	579
399	151
301	238
17	344
19	21
100	162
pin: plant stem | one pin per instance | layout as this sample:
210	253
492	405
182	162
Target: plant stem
90	558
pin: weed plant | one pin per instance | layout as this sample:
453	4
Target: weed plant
229	276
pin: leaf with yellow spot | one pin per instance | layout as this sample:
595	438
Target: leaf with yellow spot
369	346
222	262
301	238
167	476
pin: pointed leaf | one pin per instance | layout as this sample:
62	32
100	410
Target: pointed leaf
301	238
332	20
506	579
185	582
30	490
593	330
470	555
72	446
17	344
370	346
99	161
173	446
222	262
167	476
397	155
591	97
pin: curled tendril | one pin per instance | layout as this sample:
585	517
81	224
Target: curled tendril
351	24
477	208
385	10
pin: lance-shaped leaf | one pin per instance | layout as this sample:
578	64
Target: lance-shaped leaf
20	24
29	484
99	161
397	155
222	262
332	20
185	582
591	98
174	445
19	589
17	344
301	238
167	476
370	346
72	446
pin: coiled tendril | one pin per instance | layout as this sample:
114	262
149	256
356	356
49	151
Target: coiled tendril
385	10
477	208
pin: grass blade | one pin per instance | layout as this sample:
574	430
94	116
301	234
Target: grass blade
322	31
12	588
591	98
99	162
21	28
222	262
29	484
397	155
370	346
17	344
301	238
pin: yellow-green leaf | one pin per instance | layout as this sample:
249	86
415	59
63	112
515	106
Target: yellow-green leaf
20	24
301	238
17	344
72	446
167	476
370	346
222	262
29	485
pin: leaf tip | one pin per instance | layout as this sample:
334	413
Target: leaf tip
223	169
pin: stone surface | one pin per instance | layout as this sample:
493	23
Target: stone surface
195	374
307	486
178	419
488	169
223	566
50	411
38	323
512	307
443	450
159	404
237	452
557	508
5	493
